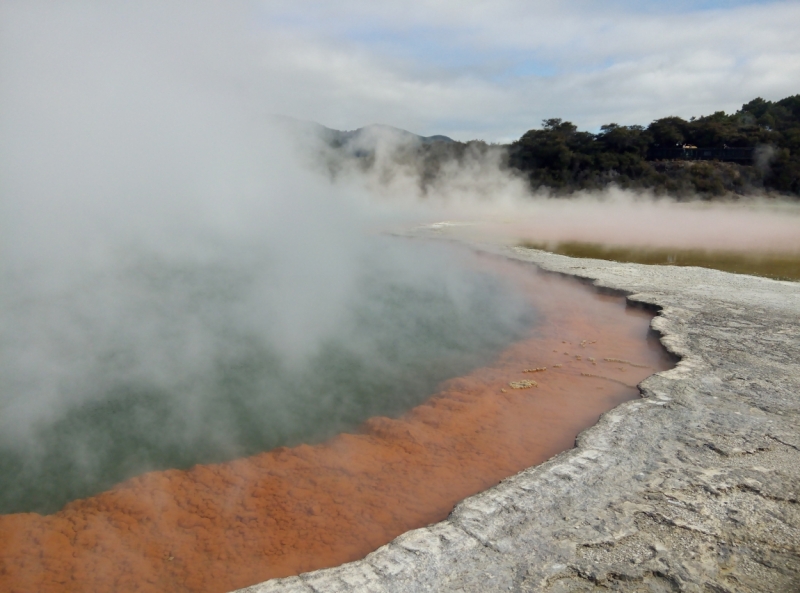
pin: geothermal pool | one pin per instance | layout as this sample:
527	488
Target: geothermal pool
441	387
156	363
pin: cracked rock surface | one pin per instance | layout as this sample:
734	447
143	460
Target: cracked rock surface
692	488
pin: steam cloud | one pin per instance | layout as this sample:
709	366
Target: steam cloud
176	286
476	187
182	281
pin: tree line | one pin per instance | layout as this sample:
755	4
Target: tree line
561	158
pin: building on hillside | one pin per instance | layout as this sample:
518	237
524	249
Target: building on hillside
689	152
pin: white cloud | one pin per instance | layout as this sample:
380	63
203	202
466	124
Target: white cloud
443	67
479	69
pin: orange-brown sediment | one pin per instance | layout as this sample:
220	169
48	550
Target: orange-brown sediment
219	527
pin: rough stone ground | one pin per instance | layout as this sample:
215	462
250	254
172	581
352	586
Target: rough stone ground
692	488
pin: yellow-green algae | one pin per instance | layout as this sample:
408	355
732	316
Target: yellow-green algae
780	266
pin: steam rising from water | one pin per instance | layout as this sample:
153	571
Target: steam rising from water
177	286
478	189
160	361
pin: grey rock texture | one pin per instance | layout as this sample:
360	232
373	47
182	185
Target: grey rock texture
692	488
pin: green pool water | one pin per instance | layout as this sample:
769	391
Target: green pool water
126	397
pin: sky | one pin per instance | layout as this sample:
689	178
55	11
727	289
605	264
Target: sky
493	70
478	69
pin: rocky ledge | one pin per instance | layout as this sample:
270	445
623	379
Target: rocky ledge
694	487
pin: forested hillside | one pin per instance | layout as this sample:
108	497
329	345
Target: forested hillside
560	157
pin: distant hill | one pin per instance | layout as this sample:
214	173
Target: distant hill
365	138
390	149
374	132
560	158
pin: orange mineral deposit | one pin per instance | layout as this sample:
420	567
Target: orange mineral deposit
219	527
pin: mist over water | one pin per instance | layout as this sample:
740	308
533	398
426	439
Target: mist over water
181	281
175	286
151	364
